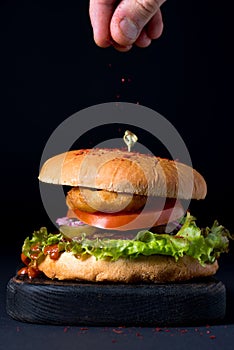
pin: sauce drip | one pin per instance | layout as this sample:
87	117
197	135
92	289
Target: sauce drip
31	270
53	251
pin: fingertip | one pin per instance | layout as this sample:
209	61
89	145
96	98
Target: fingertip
101	37
158	31
100	17
155	26
103	43
143	40
121	48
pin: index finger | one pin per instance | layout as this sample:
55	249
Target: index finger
101	12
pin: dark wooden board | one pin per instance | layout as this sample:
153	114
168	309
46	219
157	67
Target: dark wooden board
75	303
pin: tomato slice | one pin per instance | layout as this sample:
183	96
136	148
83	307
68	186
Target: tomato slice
123	221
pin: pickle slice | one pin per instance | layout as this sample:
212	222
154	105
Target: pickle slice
77	231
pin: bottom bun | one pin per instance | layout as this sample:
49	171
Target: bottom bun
155	268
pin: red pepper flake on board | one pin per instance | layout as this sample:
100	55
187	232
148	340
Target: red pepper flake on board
158	329
139	335
182	331
105	329
117	331
212	336
83	330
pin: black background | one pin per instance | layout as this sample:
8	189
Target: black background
51	68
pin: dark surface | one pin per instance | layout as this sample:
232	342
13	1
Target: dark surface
101	304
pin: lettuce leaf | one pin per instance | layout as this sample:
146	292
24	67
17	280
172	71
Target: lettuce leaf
206	245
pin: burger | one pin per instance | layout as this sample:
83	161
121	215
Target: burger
126	221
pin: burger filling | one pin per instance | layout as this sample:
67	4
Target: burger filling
121	211
187	238
111	226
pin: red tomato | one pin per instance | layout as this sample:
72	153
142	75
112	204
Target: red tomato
123	221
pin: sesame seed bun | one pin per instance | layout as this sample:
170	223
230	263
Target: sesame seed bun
126	172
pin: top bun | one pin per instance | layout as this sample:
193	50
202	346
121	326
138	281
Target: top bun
127	172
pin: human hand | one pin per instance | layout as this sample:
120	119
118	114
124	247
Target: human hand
124	23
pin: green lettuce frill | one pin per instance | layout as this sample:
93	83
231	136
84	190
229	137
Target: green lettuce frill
206	245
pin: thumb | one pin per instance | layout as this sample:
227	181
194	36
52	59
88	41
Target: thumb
130	17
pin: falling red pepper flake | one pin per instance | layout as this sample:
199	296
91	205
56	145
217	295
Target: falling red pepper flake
114	341
124	80
65	329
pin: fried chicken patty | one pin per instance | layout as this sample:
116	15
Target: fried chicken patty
92	200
